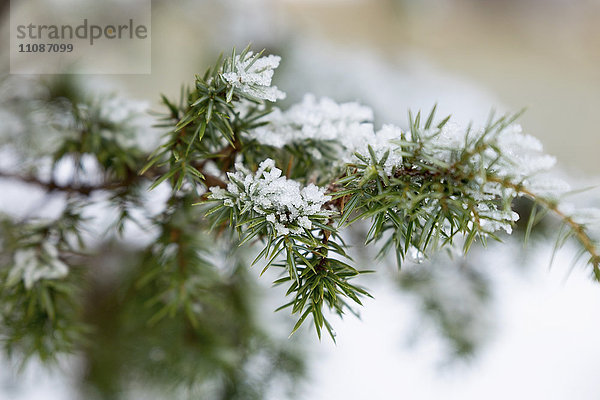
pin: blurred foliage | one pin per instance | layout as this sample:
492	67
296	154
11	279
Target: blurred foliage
176	315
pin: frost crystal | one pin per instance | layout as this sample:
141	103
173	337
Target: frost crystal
314	119
442	143
521	153
382	142
32	265
253	76
348	125
283	202
516	155
492	219
547	186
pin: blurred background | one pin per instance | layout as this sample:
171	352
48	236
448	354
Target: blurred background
498	325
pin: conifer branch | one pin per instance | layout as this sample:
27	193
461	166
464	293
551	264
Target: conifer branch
288	180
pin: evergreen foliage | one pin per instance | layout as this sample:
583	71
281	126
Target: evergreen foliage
240	171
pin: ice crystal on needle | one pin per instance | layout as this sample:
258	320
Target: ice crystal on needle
547	186
381	142
348	125
491	219
321	119
253	76
510	152
522	154
284	203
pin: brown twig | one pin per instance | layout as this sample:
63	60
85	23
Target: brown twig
52	186
578	229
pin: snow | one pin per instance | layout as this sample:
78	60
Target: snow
548	186
32	265
544	347
491	219
286	205
521	155
321	119
253	76
347	125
